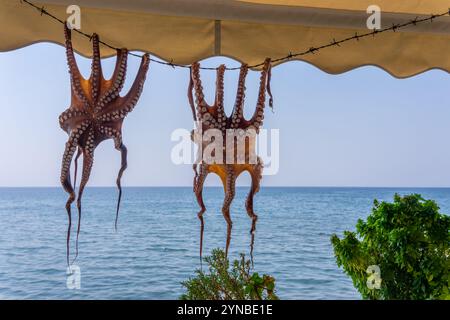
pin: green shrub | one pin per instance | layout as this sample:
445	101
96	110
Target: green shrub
223	283
409	241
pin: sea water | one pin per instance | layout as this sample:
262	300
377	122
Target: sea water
156	245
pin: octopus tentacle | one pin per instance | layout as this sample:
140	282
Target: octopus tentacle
220	111
202	106
70	118
194	168
229	196
198	190
71	146
79	153
111	133
69	226
96	67
128	102
258	115
269	90
75	75
256	176
114	134
131	98
88	161
211	116
117	80
123	152
88	158
238	110
198	161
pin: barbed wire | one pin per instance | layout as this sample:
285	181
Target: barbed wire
311	50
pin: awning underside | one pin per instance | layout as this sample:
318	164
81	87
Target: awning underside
248	31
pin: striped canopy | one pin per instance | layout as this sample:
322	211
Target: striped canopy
184	31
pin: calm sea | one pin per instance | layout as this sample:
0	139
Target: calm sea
156	245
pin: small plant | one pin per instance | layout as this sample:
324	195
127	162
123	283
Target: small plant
404	246
223	283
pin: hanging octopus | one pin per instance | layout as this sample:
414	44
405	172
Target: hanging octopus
96	113
214	117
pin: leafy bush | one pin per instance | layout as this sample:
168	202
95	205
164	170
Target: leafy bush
221	283
410	242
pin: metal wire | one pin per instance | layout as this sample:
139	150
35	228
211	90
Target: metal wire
311	50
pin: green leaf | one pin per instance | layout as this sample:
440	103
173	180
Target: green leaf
410	242
227	281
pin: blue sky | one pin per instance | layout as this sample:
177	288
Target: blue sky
361	128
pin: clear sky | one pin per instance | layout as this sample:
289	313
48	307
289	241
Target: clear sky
361	128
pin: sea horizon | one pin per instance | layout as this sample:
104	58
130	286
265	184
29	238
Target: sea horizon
245	186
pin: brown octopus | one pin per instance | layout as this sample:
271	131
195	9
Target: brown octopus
214	117
96	113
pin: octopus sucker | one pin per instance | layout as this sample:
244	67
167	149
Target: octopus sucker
117	80
240	94
96	67
96	113
214	117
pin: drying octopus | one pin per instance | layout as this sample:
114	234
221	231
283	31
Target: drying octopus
96	113
214	117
